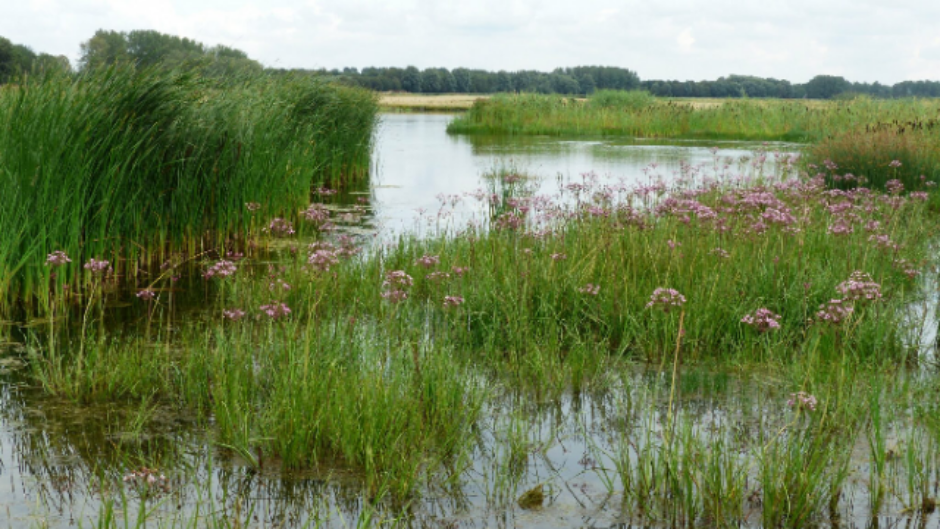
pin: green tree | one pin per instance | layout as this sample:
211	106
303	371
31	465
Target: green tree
462	78
826	86
411	80
103	49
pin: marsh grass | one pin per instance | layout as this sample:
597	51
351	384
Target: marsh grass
131	166
381	363
637	114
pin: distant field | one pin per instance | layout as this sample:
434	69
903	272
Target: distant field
441	102
428	102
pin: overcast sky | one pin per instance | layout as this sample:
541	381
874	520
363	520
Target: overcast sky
863	40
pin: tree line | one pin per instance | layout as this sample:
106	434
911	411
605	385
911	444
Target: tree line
16	58
146	48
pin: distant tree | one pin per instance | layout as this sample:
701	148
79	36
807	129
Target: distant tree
411	80
431	81
7	66
462	78
564	84
826	86
503	81
587	84
104	48
46	63
448	82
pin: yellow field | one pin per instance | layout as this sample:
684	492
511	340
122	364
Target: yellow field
403	101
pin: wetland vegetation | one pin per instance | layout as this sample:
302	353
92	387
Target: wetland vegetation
738	342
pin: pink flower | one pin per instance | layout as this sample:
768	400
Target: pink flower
859	287
895	163
894	187
275	310
233	314
146	294
57	258
762	320
280	227
665	299
452	301
222	269
322	260
559	257
317	213
459	271
395	296
438	276
397	278
835	312
428	261
802	400
97	267
590	289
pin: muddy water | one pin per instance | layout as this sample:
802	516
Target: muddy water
61	463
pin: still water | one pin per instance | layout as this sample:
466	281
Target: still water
416	162
57	458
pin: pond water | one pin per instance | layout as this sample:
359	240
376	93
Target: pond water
57	458
416	162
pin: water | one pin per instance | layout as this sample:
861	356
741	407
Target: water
416	162
59	459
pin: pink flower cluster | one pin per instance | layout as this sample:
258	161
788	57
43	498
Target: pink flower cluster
666	299
233	314
57	258
762	320
802	400
223	268
452	301
834	312
590	289
322	260
146	294
280	227
428	261
97	267
275	310
859	287
396	282
148	477
317	214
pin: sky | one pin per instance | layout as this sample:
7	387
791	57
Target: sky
862	40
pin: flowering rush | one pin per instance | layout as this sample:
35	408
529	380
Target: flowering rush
666	299
234	314
395	296
802	400
146	294
428	261
762	320
835	312
859	287
222	269
397	278
57	258
275	310
452	301
590	289
280	227
97	267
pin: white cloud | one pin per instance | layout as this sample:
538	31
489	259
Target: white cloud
864	40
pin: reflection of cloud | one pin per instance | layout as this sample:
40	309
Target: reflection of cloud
864	40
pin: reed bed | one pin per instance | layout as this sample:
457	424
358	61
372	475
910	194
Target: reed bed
130	166
638	114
